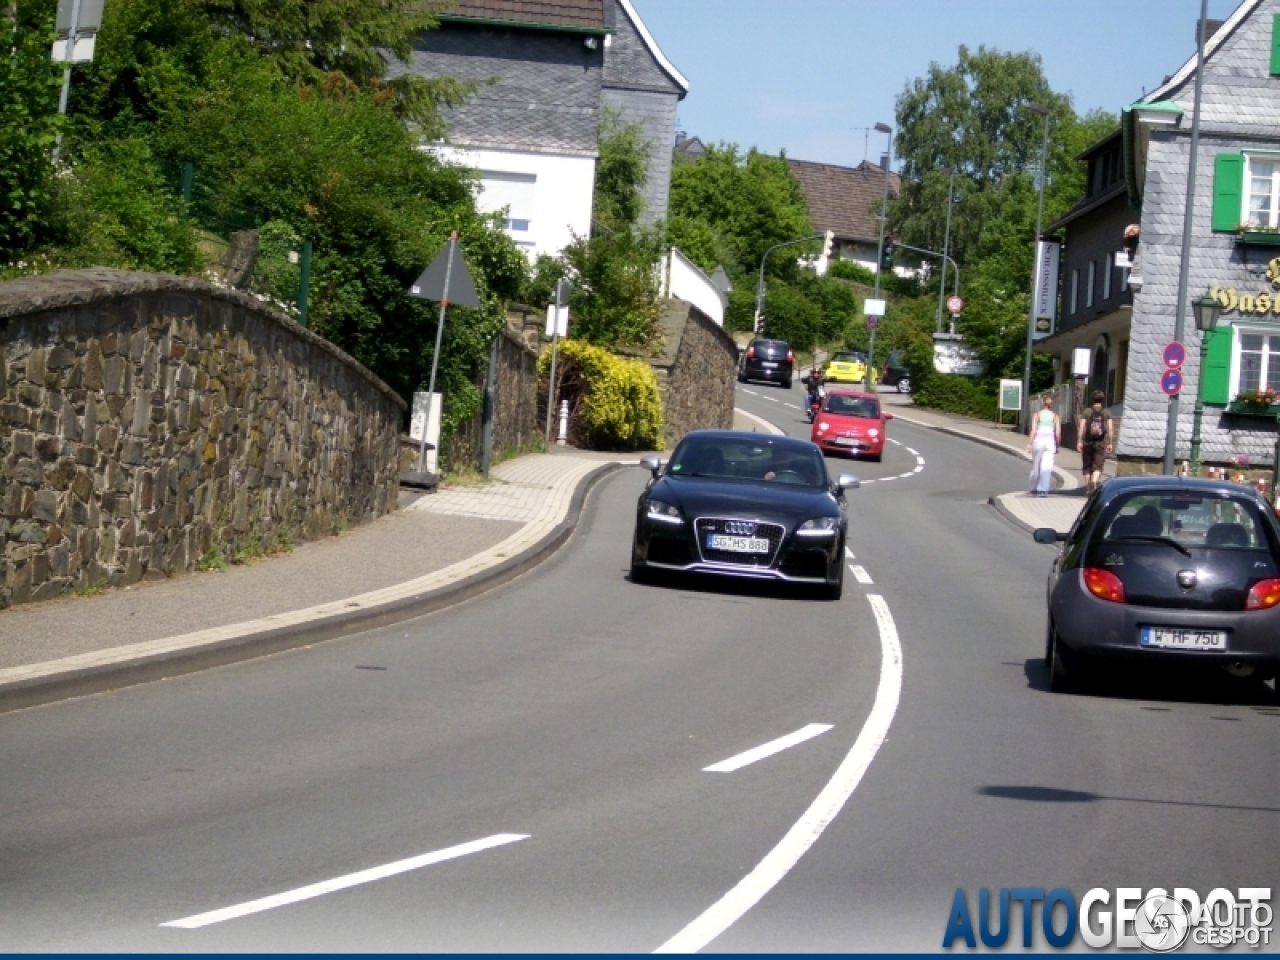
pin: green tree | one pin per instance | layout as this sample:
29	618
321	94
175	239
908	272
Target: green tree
972	119
357	41
614	303
28	127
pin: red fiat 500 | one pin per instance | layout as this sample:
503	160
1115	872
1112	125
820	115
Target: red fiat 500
851	422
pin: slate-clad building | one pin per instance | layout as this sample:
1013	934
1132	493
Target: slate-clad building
544	70
1235	250
645	89
1096	300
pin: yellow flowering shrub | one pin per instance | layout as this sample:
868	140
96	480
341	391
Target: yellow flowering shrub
614	401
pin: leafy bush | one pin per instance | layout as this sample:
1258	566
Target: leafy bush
614	402
28	125
853	271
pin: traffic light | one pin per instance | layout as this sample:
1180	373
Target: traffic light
886	261
828	240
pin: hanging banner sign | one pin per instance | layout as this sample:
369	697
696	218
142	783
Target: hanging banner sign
1045	289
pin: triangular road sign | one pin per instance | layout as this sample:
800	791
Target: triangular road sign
430	286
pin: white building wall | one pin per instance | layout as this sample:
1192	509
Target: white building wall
684	280
548	195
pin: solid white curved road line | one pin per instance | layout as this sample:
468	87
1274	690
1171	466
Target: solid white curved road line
778	862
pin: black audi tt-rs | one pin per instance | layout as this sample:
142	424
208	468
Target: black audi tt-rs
737	504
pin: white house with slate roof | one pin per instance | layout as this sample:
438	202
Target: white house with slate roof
1237	188
545	70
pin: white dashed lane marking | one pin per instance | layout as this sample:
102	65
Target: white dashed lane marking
779	861
849	553
860	574
344	883
768	749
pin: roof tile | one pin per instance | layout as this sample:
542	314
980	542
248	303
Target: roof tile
844	199
580	14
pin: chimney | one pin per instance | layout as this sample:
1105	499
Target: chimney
1210	28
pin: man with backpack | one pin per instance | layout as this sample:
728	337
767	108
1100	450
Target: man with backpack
1095	440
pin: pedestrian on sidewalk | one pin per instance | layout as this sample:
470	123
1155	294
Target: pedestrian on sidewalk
1096	441
1046	436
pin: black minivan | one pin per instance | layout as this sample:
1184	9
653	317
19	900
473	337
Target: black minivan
767	360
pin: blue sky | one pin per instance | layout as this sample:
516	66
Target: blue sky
804	74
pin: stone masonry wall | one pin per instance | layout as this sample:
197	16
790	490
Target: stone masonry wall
515	413
148	421
696	374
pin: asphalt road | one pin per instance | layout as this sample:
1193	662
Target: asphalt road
567	719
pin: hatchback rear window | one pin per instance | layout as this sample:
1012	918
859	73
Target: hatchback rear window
772	345
1211	521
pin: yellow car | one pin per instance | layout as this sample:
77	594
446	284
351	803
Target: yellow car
849	366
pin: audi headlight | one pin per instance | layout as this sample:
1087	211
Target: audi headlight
823	425
819	527
662	512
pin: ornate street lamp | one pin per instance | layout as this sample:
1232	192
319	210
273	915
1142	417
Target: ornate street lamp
1207	310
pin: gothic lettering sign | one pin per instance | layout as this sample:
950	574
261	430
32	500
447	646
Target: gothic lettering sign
1257	303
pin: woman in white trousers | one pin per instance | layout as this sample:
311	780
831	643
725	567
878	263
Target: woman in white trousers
1046	436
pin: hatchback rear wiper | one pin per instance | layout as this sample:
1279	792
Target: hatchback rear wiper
1154	539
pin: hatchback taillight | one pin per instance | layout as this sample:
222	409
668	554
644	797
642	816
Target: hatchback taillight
791	357
1263	595
751	353
1104	584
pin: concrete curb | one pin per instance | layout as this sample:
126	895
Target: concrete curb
48	686
1068	481
998	503
768	427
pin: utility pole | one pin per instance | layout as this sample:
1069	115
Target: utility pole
1031	309
884	218
562	291
1180	305
946	248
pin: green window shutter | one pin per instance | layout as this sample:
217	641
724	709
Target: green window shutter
1216	376
1275	45
1228	191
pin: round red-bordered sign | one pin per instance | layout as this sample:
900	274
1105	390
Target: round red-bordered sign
1171	382
1175	355
954	304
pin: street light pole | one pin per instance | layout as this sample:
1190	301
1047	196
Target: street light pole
884	218
946	246
1180	308
955	267
760	281
1031	310
1207	310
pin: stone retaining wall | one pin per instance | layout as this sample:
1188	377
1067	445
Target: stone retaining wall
515	413
150	422
696	372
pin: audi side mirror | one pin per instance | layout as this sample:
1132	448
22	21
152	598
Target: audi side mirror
1048	535
652	464
848	481
888	416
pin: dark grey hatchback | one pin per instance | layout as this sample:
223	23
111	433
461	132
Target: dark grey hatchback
1166	569
771	360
